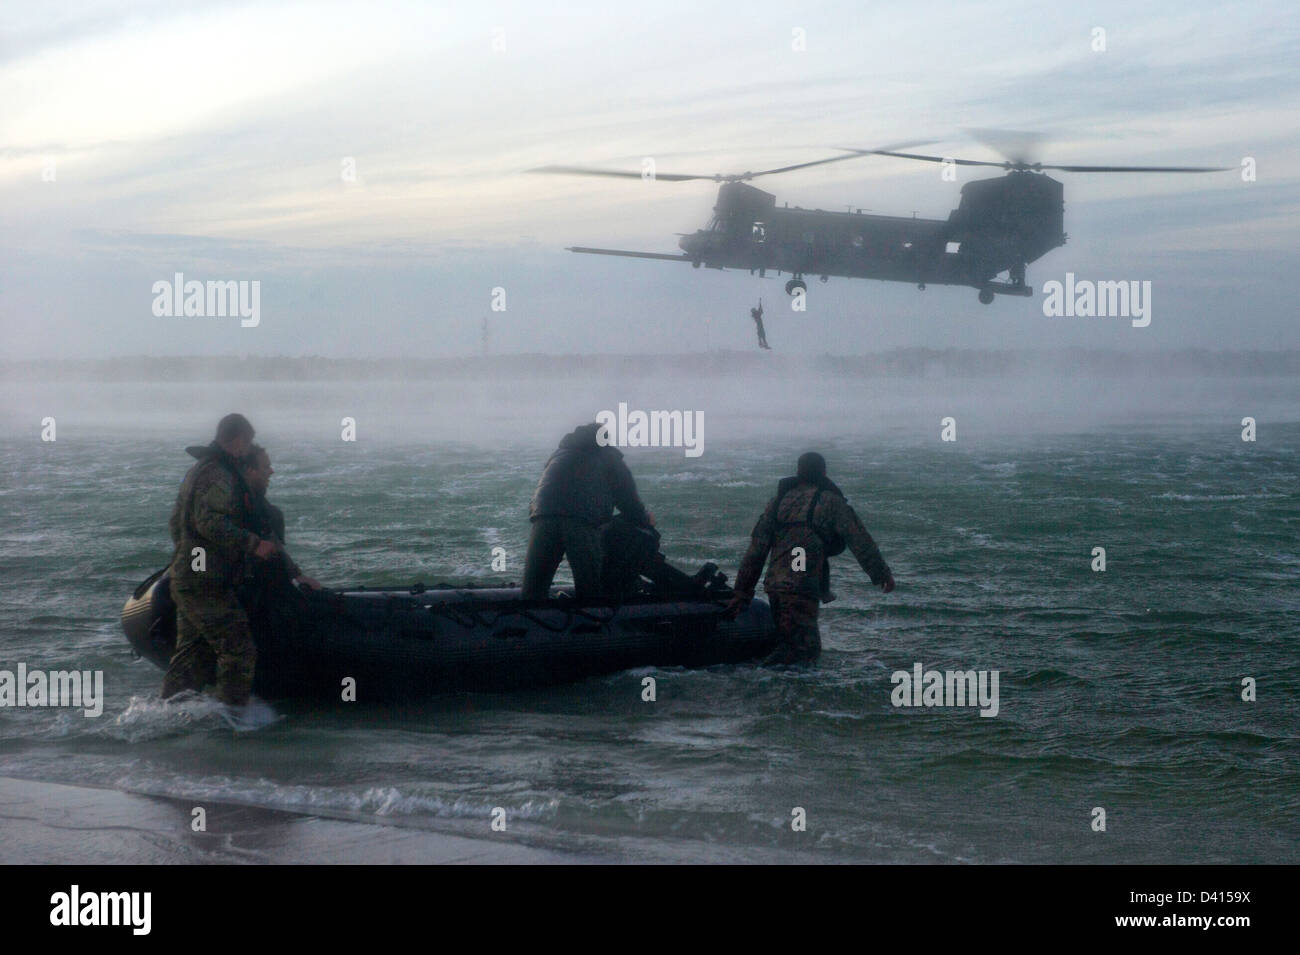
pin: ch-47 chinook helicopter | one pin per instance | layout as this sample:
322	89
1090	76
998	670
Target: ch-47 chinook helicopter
1000	226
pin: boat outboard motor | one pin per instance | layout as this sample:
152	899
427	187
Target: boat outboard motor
149	619
630	553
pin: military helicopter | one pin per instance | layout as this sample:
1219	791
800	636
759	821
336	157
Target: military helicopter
1000	225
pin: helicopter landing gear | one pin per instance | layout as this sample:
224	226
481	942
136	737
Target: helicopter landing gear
986	297
795	283
920	286
824	279
1017	273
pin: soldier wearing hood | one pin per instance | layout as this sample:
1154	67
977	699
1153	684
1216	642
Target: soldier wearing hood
805	523
581	485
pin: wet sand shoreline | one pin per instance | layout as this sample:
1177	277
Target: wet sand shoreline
55	824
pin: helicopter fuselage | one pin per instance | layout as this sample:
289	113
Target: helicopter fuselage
1000	225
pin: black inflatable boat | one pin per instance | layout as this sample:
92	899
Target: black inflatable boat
409	643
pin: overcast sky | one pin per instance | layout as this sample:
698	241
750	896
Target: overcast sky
140	140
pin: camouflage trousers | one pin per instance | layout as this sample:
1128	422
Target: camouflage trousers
797	637
213	644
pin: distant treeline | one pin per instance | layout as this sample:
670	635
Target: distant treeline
899	363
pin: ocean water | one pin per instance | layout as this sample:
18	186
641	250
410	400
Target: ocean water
1119	689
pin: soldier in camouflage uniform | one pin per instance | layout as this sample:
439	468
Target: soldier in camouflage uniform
807	521
209	526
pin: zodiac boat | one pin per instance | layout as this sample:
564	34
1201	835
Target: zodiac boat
417	641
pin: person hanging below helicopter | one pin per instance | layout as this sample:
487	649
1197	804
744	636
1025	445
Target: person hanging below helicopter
757	315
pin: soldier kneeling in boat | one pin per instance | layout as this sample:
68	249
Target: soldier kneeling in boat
807	521
581	485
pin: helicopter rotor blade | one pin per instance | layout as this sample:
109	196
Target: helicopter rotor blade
1133	168
616	173
1017	146
1021	144
959	162
1021	149
851	154
716	177
1036	167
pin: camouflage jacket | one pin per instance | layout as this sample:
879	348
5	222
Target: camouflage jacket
210	512
779	532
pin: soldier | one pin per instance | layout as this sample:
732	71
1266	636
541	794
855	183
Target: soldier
581	485
757	315
806	522
210	528
265	519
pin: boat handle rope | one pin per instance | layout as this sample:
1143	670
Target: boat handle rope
471	618
475	616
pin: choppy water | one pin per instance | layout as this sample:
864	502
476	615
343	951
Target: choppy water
1118	689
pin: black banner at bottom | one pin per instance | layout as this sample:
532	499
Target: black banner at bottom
328	904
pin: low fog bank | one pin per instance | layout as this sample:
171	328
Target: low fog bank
732	397
903	362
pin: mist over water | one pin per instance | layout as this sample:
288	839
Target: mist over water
1118	689
533	400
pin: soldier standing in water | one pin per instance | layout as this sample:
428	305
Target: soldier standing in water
807	521
210	528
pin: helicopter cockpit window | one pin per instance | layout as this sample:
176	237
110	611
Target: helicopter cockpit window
758	232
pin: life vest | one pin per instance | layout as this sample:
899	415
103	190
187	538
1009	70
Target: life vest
832	542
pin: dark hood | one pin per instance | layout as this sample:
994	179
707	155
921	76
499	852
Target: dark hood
583	438
587	481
